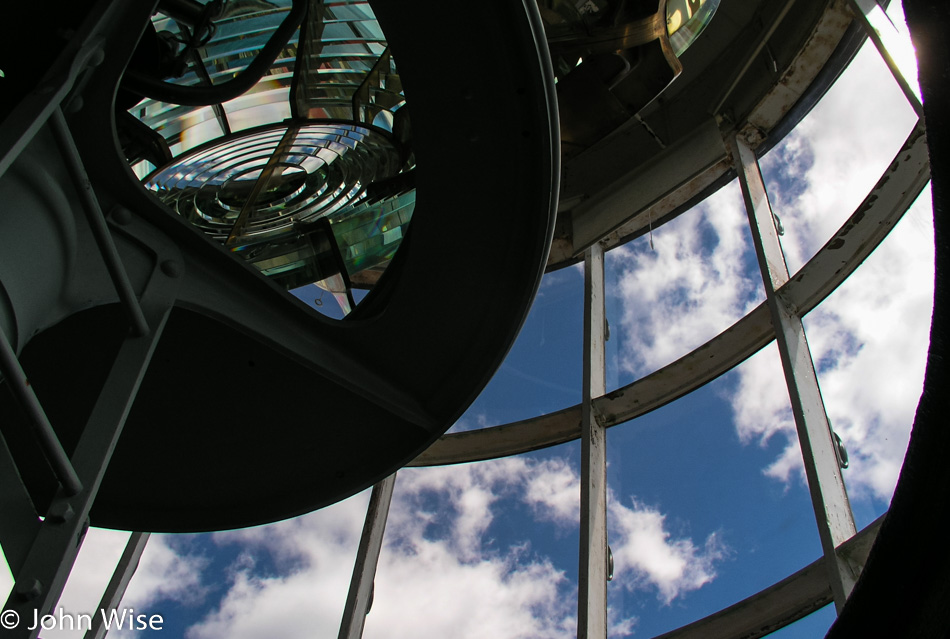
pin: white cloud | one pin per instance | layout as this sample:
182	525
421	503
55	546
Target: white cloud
166	573
869	339
93	568
423	589
303	592
470	422
554	492
458	499
6	577
760	401
433	573
872	389
692	285
645	554
827	165
440	573
163	573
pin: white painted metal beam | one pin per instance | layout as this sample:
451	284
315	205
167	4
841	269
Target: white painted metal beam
893	47
41	577
359	599
112	597
822	469
44	569
19	522
592	572
672	170
780	604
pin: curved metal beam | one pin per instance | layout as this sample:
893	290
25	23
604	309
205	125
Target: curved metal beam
381	398
864	230
655	204
780	604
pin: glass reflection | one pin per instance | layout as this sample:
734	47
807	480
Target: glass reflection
686	19
324	194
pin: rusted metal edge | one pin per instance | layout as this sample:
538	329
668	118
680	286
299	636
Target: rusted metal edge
801	73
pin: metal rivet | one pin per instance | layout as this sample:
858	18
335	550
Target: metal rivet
60	512
75	105
610	564
29	591
171	268
97	58
122	216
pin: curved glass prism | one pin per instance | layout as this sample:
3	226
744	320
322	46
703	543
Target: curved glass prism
686	19
296	200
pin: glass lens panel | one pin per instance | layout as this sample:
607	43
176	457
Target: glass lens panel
686	19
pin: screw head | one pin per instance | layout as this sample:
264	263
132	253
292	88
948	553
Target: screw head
122	216
171	268
29	590
60	512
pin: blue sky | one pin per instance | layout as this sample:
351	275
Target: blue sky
707	499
